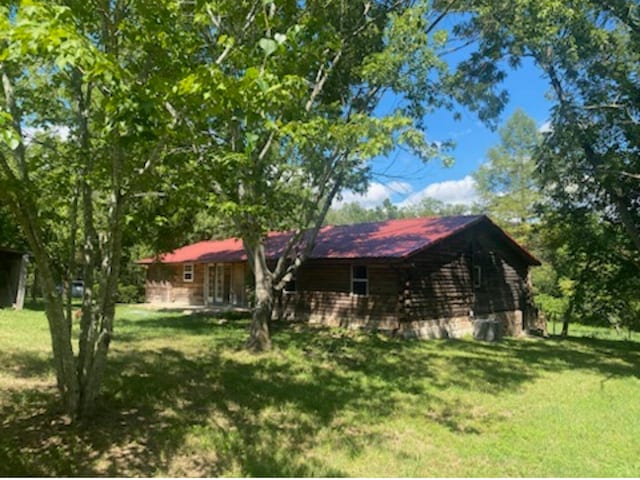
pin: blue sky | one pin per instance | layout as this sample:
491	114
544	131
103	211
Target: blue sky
405	179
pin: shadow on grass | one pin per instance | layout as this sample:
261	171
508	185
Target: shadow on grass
224	332
36	305
158	402
217	412
26	364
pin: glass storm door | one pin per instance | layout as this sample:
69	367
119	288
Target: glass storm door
219	283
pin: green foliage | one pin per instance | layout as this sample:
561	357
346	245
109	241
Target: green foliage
506	184
554	308
353	212
9	232
86	127
592	271
284	107
430	207
130	293
589	52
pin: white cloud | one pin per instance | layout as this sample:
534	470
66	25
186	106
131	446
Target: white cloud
451	191
375	195
61	131
546	127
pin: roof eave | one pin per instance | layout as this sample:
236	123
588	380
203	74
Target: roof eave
531	260
455	231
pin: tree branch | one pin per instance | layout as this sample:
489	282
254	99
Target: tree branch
321	78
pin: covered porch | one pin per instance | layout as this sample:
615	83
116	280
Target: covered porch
226	284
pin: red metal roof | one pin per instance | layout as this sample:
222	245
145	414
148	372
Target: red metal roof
389	239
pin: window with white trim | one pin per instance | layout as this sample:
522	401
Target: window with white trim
187	272
359	280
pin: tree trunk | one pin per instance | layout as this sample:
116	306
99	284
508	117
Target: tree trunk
25	210
111	272
35	286
565	327
567	315
63	358
71	261
259	337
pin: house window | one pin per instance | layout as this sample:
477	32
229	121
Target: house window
359	280
187	272
477	276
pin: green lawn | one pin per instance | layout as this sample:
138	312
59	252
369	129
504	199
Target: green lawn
181	398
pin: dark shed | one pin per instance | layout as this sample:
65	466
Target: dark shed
13	273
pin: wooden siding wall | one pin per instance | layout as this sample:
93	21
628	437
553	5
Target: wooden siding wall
439	294
504	276
324	296
438	283
165	284
239	283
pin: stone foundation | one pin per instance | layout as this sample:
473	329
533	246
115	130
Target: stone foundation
511	321
457	327
451	327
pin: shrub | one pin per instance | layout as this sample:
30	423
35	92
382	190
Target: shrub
130	294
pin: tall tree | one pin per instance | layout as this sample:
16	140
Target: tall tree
595	281
353	212
93	71
282	105
589	52
507	183
9	232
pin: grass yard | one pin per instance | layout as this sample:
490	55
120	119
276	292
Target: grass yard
181	398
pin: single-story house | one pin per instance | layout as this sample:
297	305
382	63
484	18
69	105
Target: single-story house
13	275
428	277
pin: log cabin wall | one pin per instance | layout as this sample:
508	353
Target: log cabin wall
503	281
323	295
158	283
438	282
165	284
474	274
437	293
